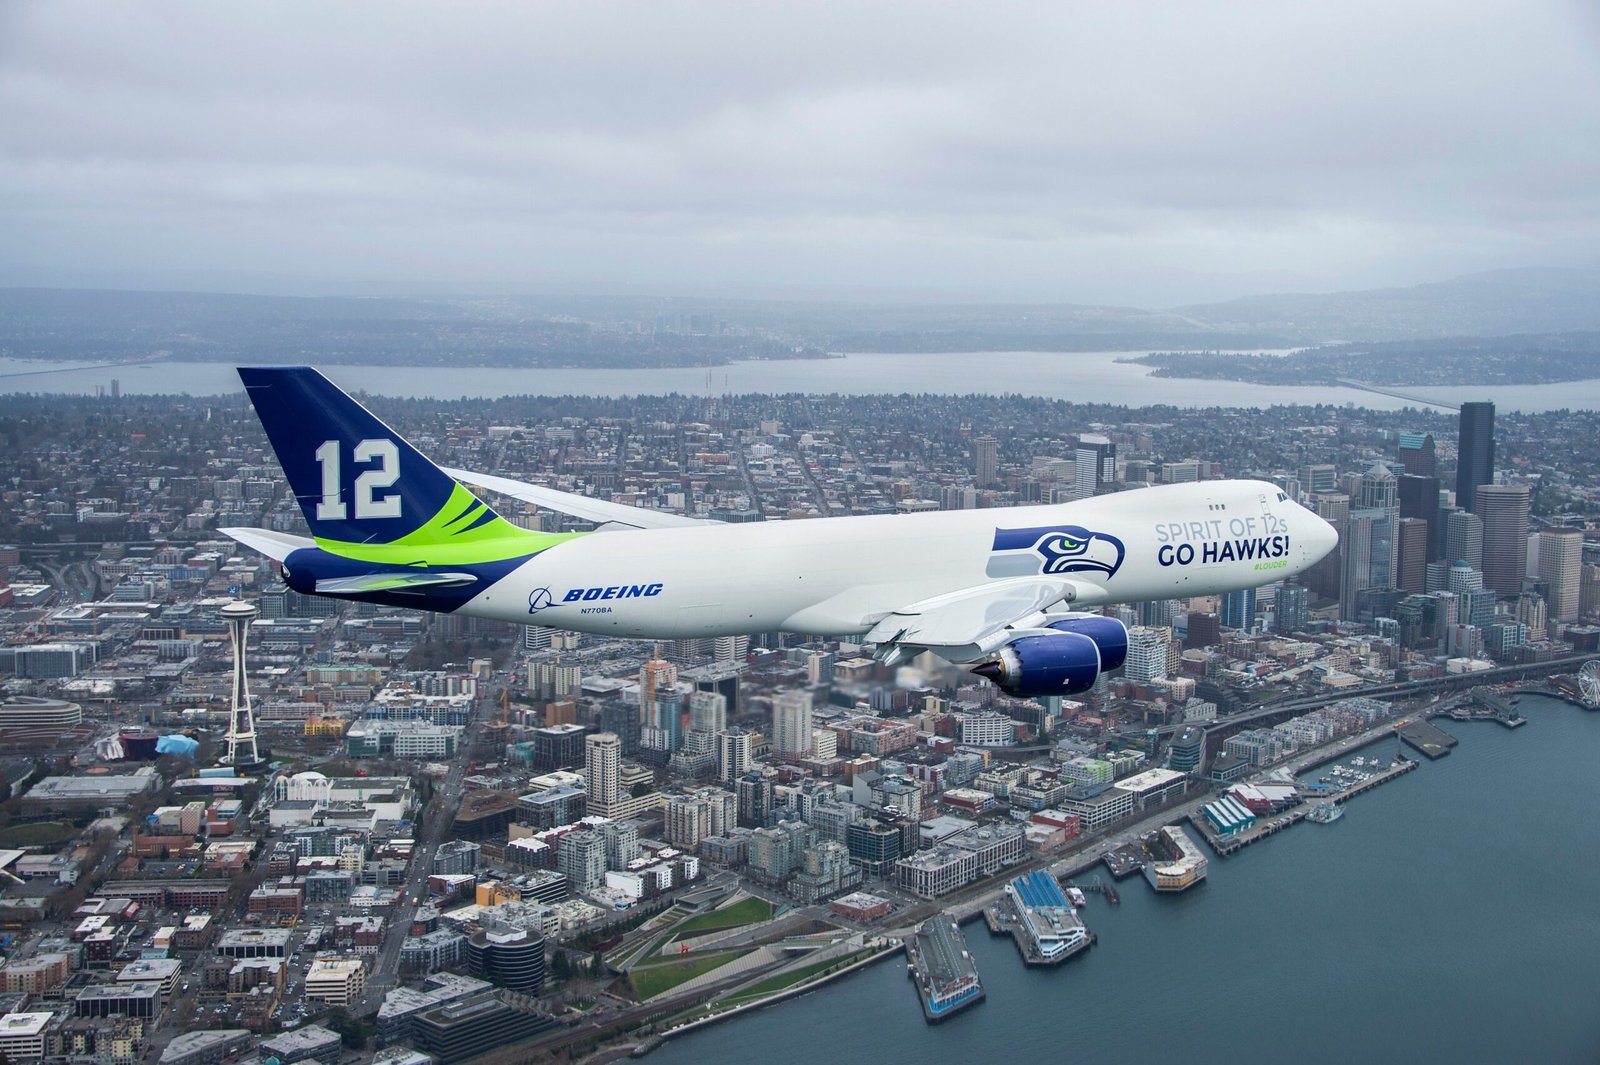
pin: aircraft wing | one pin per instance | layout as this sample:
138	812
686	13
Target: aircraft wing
597	510
962	626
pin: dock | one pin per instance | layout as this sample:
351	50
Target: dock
943	970
1098	887
1039	920
1427	739
1225	845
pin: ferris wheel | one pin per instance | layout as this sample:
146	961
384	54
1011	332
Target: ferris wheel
1589	682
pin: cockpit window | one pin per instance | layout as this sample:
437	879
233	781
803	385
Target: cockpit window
1283	497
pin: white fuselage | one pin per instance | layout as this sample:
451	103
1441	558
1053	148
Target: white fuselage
839	576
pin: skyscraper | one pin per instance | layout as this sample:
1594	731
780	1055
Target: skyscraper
735	749
791	723
1291	607
1561	568
660	710
1239	609
1504	510
986	451
1417	454
1419	498
1411	569
1147	653
1096	465
602	765
1475	453
1463	538
1379	489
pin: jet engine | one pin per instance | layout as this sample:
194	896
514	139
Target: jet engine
1064	662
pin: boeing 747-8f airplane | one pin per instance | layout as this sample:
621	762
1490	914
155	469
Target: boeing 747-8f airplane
1002	591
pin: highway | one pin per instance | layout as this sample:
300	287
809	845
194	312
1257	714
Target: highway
385	972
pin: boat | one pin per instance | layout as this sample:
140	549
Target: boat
1325	813
1077	897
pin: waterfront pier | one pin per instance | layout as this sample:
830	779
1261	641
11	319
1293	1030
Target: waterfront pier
1427	739
942	968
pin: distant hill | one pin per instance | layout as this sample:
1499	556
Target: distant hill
1498	303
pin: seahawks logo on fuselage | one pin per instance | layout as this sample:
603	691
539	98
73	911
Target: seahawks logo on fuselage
1054	550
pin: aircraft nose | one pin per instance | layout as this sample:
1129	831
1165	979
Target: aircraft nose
1319	537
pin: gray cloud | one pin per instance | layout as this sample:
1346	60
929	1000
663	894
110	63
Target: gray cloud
1079	152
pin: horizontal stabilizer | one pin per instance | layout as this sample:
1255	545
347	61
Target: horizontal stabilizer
275	545
391	581
596	510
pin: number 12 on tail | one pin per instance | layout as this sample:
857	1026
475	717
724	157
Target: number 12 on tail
368	505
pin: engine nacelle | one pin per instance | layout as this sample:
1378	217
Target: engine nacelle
1063	663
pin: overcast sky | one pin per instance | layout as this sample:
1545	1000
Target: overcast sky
1075	151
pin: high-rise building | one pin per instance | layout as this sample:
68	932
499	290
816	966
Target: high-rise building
1463	538
1096	467
708	712
1419	498
1205	629
754	793
1561	568
1147	654
1368	557
1417	454
660	709
1379	489
1411	570
1319	478
1589	594
1292	608
791	724
1504	509
1239	609
735	753
602	764
1475	453
622	719
986	451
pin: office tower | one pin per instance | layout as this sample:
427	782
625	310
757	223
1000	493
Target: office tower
1411	570
1332	507
1417	454
1462	578
1096	465
791	724
602	766
1292	610
1475	453
1147	654
1589	592
1419	498
1463	538
507	957
1319	478
819	667
1205	629
1561	568
242	751
1504	510
1378	489
1239	609
1155	613
987	452
1356	551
